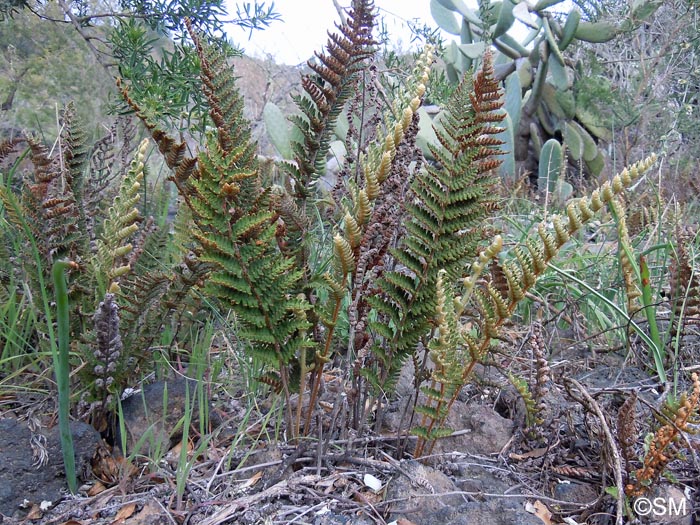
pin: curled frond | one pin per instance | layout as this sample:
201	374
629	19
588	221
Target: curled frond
684	281
632	290
110	263
362	207
343	255
9	146
478	266
680	416
352	230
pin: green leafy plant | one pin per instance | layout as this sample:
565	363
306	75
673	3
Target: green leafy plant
446	210
496	299
403	233
55	211
62	369
329	288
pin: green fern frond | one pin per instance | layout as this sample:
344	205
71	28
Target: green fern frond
448	358
532	407
74	149
523	270
446	206
520	273
237	228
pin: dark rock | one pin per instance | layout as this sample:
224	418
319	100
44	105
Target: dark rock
416	488
493	512
150	429
478	478
22	479
670	507
573	492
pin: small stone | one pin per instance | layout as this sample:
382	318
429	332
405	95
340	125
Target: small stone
487	432
664	505
573	492
148	427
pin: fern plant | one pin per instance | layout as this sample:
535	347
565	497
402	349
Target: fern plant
677	415
494	300
256	237
446	209
250	272
408	258
119	226
55	210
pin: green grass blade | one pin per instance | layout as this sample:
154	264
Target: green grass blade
656	348
611	304
62	370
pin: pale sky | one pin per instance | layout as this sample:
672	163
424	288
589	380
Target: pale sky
304	23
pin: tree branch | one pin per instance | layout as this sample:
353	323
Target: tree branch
75	21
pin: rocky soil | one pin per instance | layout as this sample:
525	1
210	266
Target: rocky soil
488	471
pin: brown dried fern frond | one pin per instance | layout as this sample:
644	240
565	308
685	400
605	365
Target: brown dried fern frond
336	72
9	146
627	429
684	282
664	447
223	97
50	204
173	151
543	373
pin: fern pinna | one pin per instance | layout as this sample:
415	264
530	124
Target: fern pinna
447	205
236	226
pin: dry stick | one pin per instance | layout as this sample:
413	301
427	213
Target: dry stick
614	452
539	497
302	386
275	491
321	361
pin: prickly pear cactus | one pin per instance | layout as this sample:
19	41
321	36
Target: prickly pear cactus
540	83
